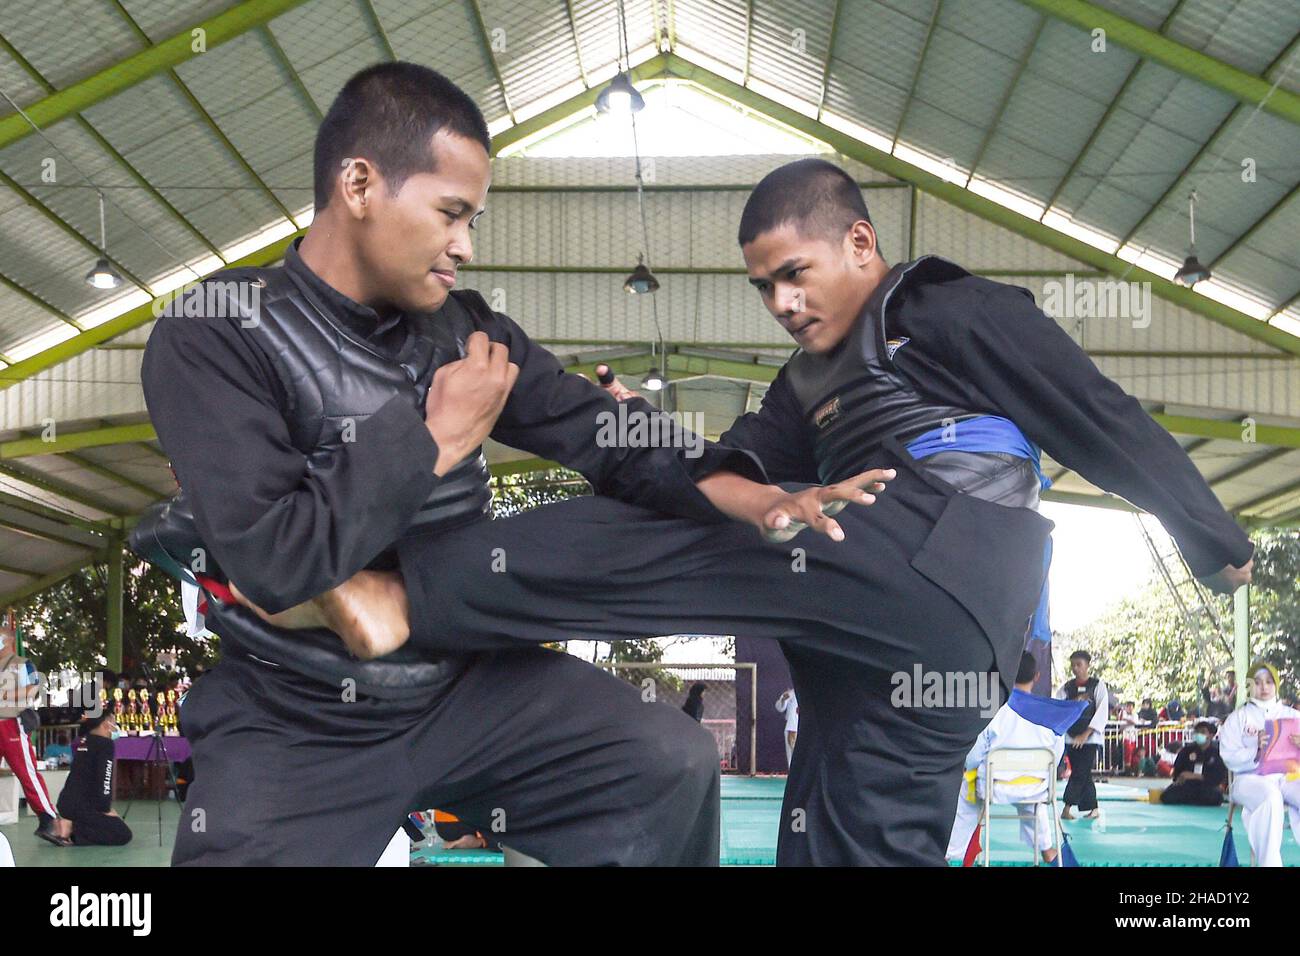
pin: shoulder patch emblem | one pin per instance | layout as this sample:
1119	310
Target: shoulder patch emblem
893	345
827	413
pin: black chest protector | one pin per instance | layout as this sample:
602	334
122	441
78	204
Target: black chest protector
332	382
853	399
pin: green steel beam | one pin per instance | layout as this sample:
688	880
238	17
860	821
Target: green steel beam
56	487
67	229
20	572
380	32
830	53
81	461
37	301
1279	435
49	580
672	25
486	41
41	510
916	74
285	64
206	117
1255	226
43	535
1246	87
126	73
140	181
113	599
1110	108
1256	461
132	319
1268	496
1006	99
990	210
73	441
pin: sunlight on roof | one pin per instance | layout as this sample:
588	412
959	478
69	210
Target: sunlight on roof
679	119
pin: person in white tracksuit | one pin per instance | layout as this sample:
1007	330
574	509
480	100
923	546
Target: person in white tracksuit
1266	798
1009	728
788	704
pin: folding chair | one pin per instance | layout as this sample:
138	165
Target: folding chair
1035	764
1232	809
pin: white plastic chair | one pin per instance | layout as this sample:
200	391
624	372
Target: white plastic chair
1029	761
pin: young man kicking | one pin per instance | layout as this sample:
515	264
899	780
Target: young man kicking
953	380
317	413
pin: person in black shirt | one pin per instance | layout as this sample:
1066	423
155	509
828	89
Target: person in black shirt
1200	775
86	803
694	705
951	380
319	414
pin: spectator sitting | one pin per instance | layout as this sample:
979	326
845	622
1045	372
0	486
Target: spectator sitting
1216	707
1147	716
1146	765
1200	776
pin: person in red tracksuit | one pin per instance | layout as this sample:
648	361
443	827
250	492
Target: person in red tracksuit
16	692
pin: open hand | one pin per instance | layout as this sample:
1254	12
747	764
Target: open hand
1228	579
793	511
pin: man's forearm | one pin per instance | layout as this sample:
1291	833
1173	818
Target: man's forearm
738	497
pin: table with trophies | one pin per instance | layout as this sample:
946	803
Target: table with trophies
150	737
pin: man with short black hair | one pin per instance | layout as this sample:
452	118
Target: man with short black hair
1085	737
319	414
1200	776
952	381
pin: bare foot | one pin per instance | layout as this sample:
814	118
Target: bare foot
369	611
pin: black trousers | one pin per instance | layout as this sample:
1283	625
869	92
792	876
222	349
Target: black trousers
925	579
540	751
1080	789
1192	793
90	828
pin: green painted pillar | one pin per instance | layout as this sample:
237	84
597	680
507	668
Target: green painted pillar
1241	640
114	616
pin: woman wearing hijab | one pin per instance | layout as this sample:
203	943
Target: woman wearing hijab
1262	795
695	702
86	803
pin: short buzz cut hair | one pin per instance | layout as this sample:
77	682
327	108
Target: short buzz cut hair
816	197
1028	668
389	113
1081	655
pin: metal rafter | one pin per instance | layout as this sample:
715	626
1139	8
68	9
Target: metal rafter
1006	99
55	487
205	116
989	210
94	467
283	59
1268	496
492	60
830	53
49	580
1255	226
36	300
1257	461
916	74
373	16
125	73
1110	109
1204	149
139	179
749	39
577	45
43	535
68	519
1246	87
67	229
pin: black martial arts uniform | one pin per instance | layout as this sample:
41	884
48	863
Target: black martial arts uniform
87	795
929	577
1206	792
294	477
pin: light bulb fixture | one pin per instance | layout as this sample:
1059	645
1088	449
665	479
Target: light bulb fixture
653	381
102	275
642	281
620	97
1192	270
